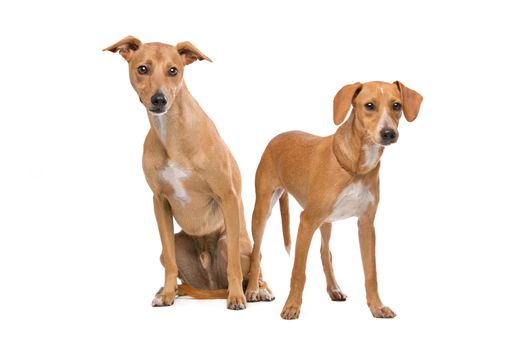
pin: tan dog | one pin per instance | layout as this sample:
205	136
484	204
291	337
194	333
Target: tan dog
332	178
194	179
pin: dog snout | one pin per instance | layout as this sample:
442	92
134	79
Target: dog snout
158	101
388	136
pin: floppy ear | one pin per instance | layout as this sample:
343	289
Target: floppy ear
190	53
410	100
125	47
343	100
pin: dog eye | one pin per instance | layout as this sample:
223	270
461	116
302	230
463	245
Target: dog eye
370	106
396	106
173	71
142	70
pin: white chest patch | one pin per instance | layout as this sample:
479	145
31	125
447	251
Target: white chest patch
174	175
371	156
352	201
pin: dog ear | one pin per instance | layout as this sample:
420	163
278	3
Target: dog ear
125	47
410	100
190	53
343	100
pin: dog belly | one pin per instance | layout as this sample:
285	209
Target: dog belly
202	216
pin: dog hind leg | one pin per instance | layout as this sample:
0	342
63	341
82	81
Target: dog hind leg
332	287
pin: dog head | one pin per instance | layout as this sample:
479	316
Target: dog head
377	108
156	69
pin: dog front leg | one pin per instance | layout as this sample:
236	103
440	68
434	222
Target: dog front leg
230	205
367	242
163	214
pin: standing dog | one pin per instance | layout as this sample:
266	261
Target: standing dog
332	178
194	179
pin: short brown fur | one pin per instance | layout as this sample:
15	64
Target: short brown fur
332	178
194	179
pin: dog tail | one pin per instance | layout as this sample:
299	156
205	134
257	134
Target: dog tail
187	290
285	219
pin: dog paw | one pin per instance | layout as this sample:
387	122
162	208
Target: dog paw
163	298
252	295
382	312
236	302
291	312
260	294
265	294
336	294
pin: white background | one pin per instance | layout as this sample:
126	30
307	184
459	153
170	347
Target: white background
79	246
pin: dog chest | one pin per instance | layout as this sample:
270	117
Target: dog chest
352	201
175	175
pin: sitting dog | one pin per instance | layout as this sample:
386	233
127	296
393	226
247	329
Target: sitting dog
332	178
194	179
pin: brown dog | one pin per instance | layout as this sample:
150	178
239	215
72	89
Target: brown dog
332	178
194	179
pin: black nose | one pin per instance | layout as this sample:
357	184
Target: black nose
159	100
388	136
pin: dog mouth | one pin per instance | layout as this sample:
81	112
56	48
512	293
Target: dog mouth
155	110
386	143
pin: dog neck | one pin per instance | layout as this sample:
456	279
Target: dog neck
183	126
354	150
